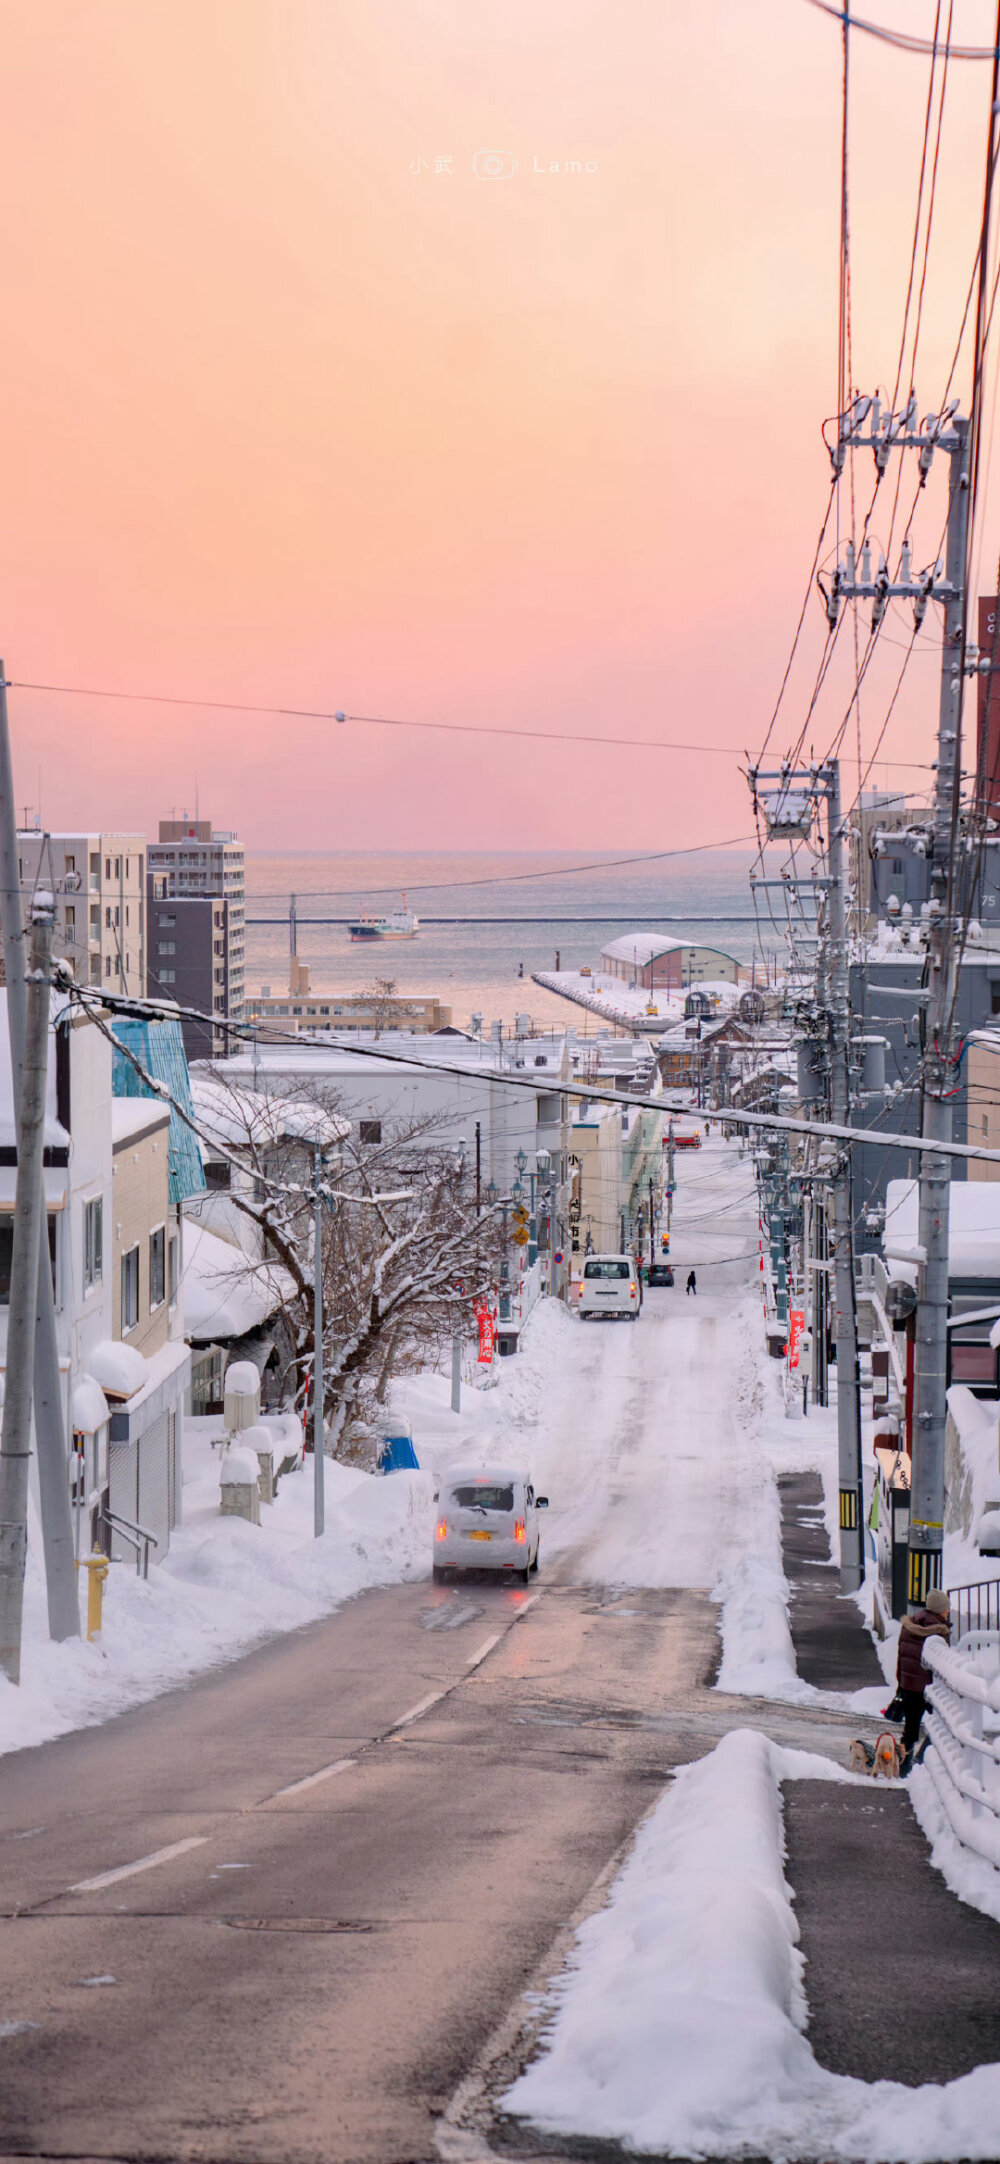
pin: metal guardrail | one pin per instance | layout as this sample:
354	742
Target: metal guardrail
963	1726
974	1608
137	1537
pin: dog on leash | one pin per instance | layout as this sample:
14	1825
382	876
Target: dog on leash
880	1759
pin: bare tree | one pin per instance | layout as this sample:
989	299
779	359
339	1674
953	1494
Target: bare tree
405	1255
388	1011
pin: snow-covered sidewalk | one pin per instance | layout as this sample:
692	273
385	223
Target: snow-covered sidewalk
678	2025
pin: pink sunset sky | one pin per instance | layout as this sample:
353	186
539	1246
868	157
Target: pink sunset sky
303	403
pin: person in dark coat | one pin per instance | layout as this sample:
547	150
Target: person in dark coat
912	1677
692	1282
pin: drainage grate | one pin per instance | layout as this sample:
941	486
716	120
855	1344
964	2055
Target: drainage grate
336	1924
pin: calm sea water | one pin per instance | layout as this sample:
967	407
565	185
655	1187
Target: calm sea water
473	965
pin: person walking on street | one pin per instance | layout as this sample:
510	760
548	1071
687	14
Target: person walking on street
692	1282
933	1621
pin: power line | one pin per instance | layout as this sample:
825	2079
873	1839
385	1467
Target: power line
91	998
904	40
368	721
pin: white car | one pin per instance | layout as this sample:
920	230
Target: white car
610	1285
486	1519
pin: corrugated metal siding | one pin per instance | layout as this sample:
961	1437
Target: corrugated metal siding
123	1483
159	1048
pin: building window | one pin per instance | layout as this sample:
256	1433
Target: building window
95	969
168	976
107	965
165	923
93	1243
157	1266
218	1174
219	1005
167	946
370	1131
118	867
107	867
130	1289
6	1253
69	864
174	1259
71	923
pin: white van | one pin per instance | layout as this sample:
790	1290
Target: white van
486	1519
610	1285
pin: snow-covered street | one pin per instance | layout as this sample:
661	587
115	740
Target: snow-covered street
434	1732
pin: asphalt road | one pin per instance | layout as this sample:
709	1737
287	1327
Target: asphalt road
306	1972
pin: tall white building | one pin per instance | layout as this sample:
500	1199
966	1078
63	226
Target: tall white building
99	882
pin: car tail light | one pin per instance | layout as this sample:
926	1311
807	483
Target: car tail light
632	1286
442	1529
519	1529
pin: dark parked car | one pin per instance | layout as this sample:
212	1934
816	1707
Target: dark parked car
659	1273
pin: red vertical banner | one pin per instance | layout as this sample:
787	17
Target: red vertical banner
485	1337
796	1325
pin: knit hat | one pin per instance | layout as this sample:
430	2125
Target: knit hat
937	1603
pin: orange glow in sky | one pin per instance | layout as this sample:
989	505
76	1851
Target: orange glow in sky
452	361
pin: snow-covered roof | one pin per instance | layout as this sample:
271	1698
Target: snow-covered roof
642	947
88	1406
131	1116
973	1226
225	1294
234	1115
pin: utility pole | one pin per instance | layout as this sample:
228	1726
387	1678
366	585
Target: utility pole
50	1424
29	1217
949	432
930	1385
319	1425
852	1531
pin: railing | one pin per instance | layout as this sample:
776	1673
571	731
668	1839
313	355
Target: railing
137	1538
974	1608
963	1726
525	1294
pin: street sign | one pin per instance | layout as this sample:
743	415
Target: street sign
520	1216
521	1235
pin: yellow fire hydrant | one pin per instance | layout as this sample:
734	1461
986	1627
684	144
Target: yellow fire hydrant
97	1568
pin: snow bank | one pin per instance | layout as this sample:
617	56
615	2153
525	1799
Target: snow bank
678	2025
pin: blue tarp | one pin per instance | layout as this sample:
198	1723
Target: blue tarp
397	1455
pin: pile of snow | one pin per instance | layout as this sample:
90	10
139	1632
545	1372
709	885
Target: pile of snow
117	1367
678	2026
239	1468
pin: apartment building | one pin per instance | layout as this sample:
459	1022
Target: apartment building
99	882
196	915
